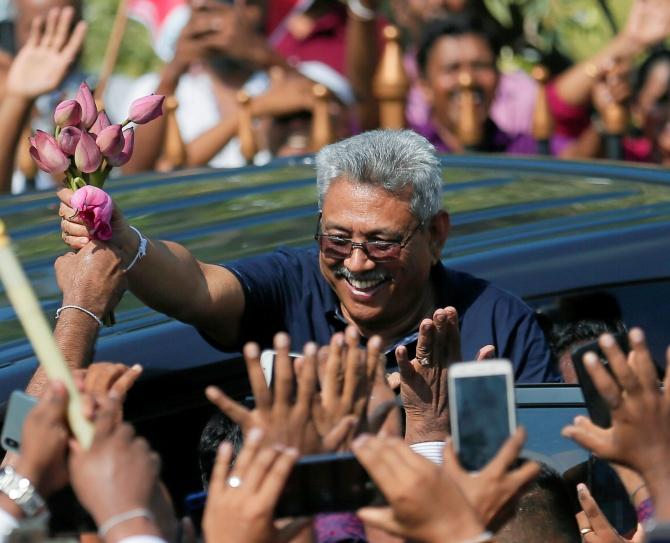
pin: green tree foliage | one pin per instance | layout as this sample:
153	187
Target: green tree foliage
136	55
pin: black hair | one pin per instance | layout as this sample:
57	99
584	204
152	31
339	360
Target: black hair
545	510
455	25
565	336
219	428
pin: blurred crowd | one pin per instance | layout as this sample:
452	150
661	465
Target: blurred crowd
250	80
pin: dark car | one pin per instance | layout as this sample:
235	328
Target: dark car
575	240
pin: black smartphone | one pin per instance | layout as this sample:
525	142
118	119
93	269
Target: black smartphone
481	410
20	404
610	494
326	483
595	405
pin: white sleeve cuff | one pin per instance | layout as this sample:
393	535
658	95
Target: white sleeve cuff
142	539
432	450
7	524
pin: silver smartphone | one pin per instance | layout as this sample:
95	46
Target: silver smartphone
18	408
268	363
481	409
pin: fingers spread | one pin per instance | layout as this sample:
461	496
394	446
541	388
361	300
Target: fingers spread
233	410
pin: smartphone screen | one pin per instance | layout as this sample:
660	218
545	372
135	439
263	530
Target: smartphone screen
595	405
482	410
268	364
326	483
20	405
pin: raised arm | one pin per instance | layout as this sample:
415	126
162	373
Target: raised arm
168	278
39	67
648	24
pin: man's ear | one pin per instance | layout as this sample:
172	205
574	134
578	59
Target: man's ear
439	232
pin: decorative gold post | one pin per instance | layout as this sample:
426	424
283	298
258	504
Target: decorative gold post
245	129
174	150
469	130
24	161
543	122
391	84
112	49
37	329
322	126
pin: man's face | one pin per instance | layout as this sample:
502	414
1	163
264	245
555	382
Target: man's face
449	57
377	296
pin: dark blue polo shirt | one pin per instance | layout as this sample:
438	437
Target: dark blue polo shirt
285	291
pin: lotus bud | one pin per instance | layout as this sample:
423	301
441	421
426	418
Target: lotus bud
46	153
127	151
110	140
94	206
87	156
68	139
67	113
100	123
89	112
146	109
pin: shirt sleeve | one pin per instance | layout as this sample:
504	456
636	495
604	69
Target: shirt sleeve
267	281
142	539
7	524
569	120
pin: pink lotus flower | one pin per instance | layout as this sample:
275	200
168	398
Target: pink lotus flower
94	206
127	151
146	109
46	153
100	123
87	156
88	110
67	113
68	139
110	140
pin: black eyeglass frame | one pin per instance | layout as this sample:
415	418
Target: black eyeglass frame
363	246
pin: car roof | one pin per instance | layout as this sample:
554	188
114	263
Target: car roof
533	226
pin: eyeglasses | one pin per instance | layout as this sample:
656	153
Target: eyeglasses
339	248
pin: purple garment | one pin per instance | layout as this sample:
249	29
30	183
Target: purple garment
338	527
495	140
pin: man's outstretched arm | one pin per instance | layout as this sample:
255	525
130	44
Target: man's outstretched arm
168	278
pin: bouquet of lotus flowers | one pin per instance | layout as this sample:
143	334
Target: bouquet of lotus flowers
85	147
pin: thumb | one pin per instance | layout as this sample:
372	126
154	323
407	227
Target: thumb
380	517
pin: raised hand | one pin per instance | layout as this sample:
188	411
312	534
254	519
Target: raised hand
593	524
425	504
648	22
423	385
491	488
42	458
347	379
43	62
241	501
118	474
76	234
93	278
285	418
639	437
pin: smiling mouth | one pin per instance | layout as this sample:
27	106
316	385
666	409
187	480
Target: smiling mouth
365	285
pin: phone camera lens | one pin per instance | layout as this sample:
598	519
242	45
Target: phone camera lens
11	443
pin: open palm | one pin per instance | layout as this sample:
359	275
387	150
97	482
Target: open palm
43	62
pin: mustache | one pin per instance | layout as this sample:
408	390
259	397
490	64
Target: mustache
477	91
341	272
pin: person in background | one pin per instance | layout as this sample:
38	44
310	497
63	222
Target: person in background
604	78
49	35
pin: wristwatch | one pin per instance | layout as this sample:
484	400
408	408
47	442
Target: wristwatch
21	491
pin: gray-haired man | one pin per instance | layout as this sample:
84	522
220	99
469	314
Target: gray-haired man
377	266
